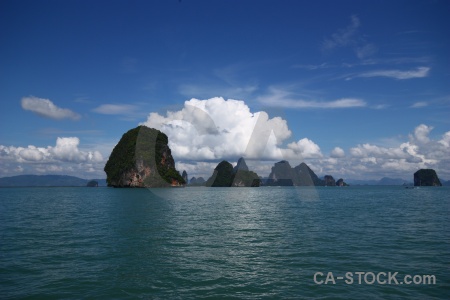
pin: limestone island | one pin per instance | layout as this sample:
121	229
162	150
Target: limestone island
426	177
142	158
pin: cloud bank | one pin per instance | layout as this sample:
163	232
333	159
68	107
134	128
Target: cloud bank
205	131
215	129
419	152
65	157
46	109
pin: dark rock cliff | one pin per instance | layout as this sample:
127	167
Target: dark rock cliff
222	176
329	180
426	177
185	176
142	158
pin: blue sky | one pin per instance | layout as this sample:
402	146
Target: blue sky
357	89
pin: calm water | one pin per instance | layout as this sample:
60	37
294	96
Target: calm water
231	243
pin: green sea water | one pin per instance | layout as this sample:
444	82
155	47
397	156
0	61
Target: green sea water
223	243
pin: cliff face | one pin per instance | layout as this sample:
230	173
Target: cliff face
142	158
426	177
306	176
222	176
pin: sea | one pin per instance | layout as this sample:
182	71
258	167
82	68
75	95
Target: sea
374	242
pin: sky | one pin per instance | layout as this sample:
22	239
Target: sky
356	89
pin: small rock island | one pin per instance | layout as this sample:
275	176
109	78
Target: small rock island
426	177
142	158
225	175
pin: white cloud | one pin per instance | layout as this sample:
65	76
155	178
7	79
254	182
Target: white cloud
419	104
206	131
216	128
421	133
419	72
64	156
46	108
304	148
403	160
337	152
285	99
116	109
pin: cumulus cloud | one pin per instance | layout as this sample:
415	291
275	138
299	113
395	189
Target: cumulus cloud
304	148
337	152
216	128
46	108
419	152
206	131
421	134
64	156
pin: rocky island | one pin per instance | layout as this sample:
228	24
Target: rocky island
283	174
426	177
240	176
142	158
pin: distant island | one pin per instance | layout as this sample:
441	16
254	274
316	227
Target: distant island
47	181
225	175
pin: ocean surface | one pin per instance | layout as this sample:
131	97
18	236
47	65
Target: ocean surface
224	243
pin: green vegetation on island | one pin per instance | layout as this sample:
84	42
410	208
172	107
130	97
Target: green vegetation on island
142	158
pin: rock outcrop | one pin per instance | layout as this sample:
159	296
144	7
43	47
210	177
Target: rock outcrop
283	174
329	180
197	181
306	176
226	176
241	165
142	158
184	175
222	176
341	182
92	183
426	177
